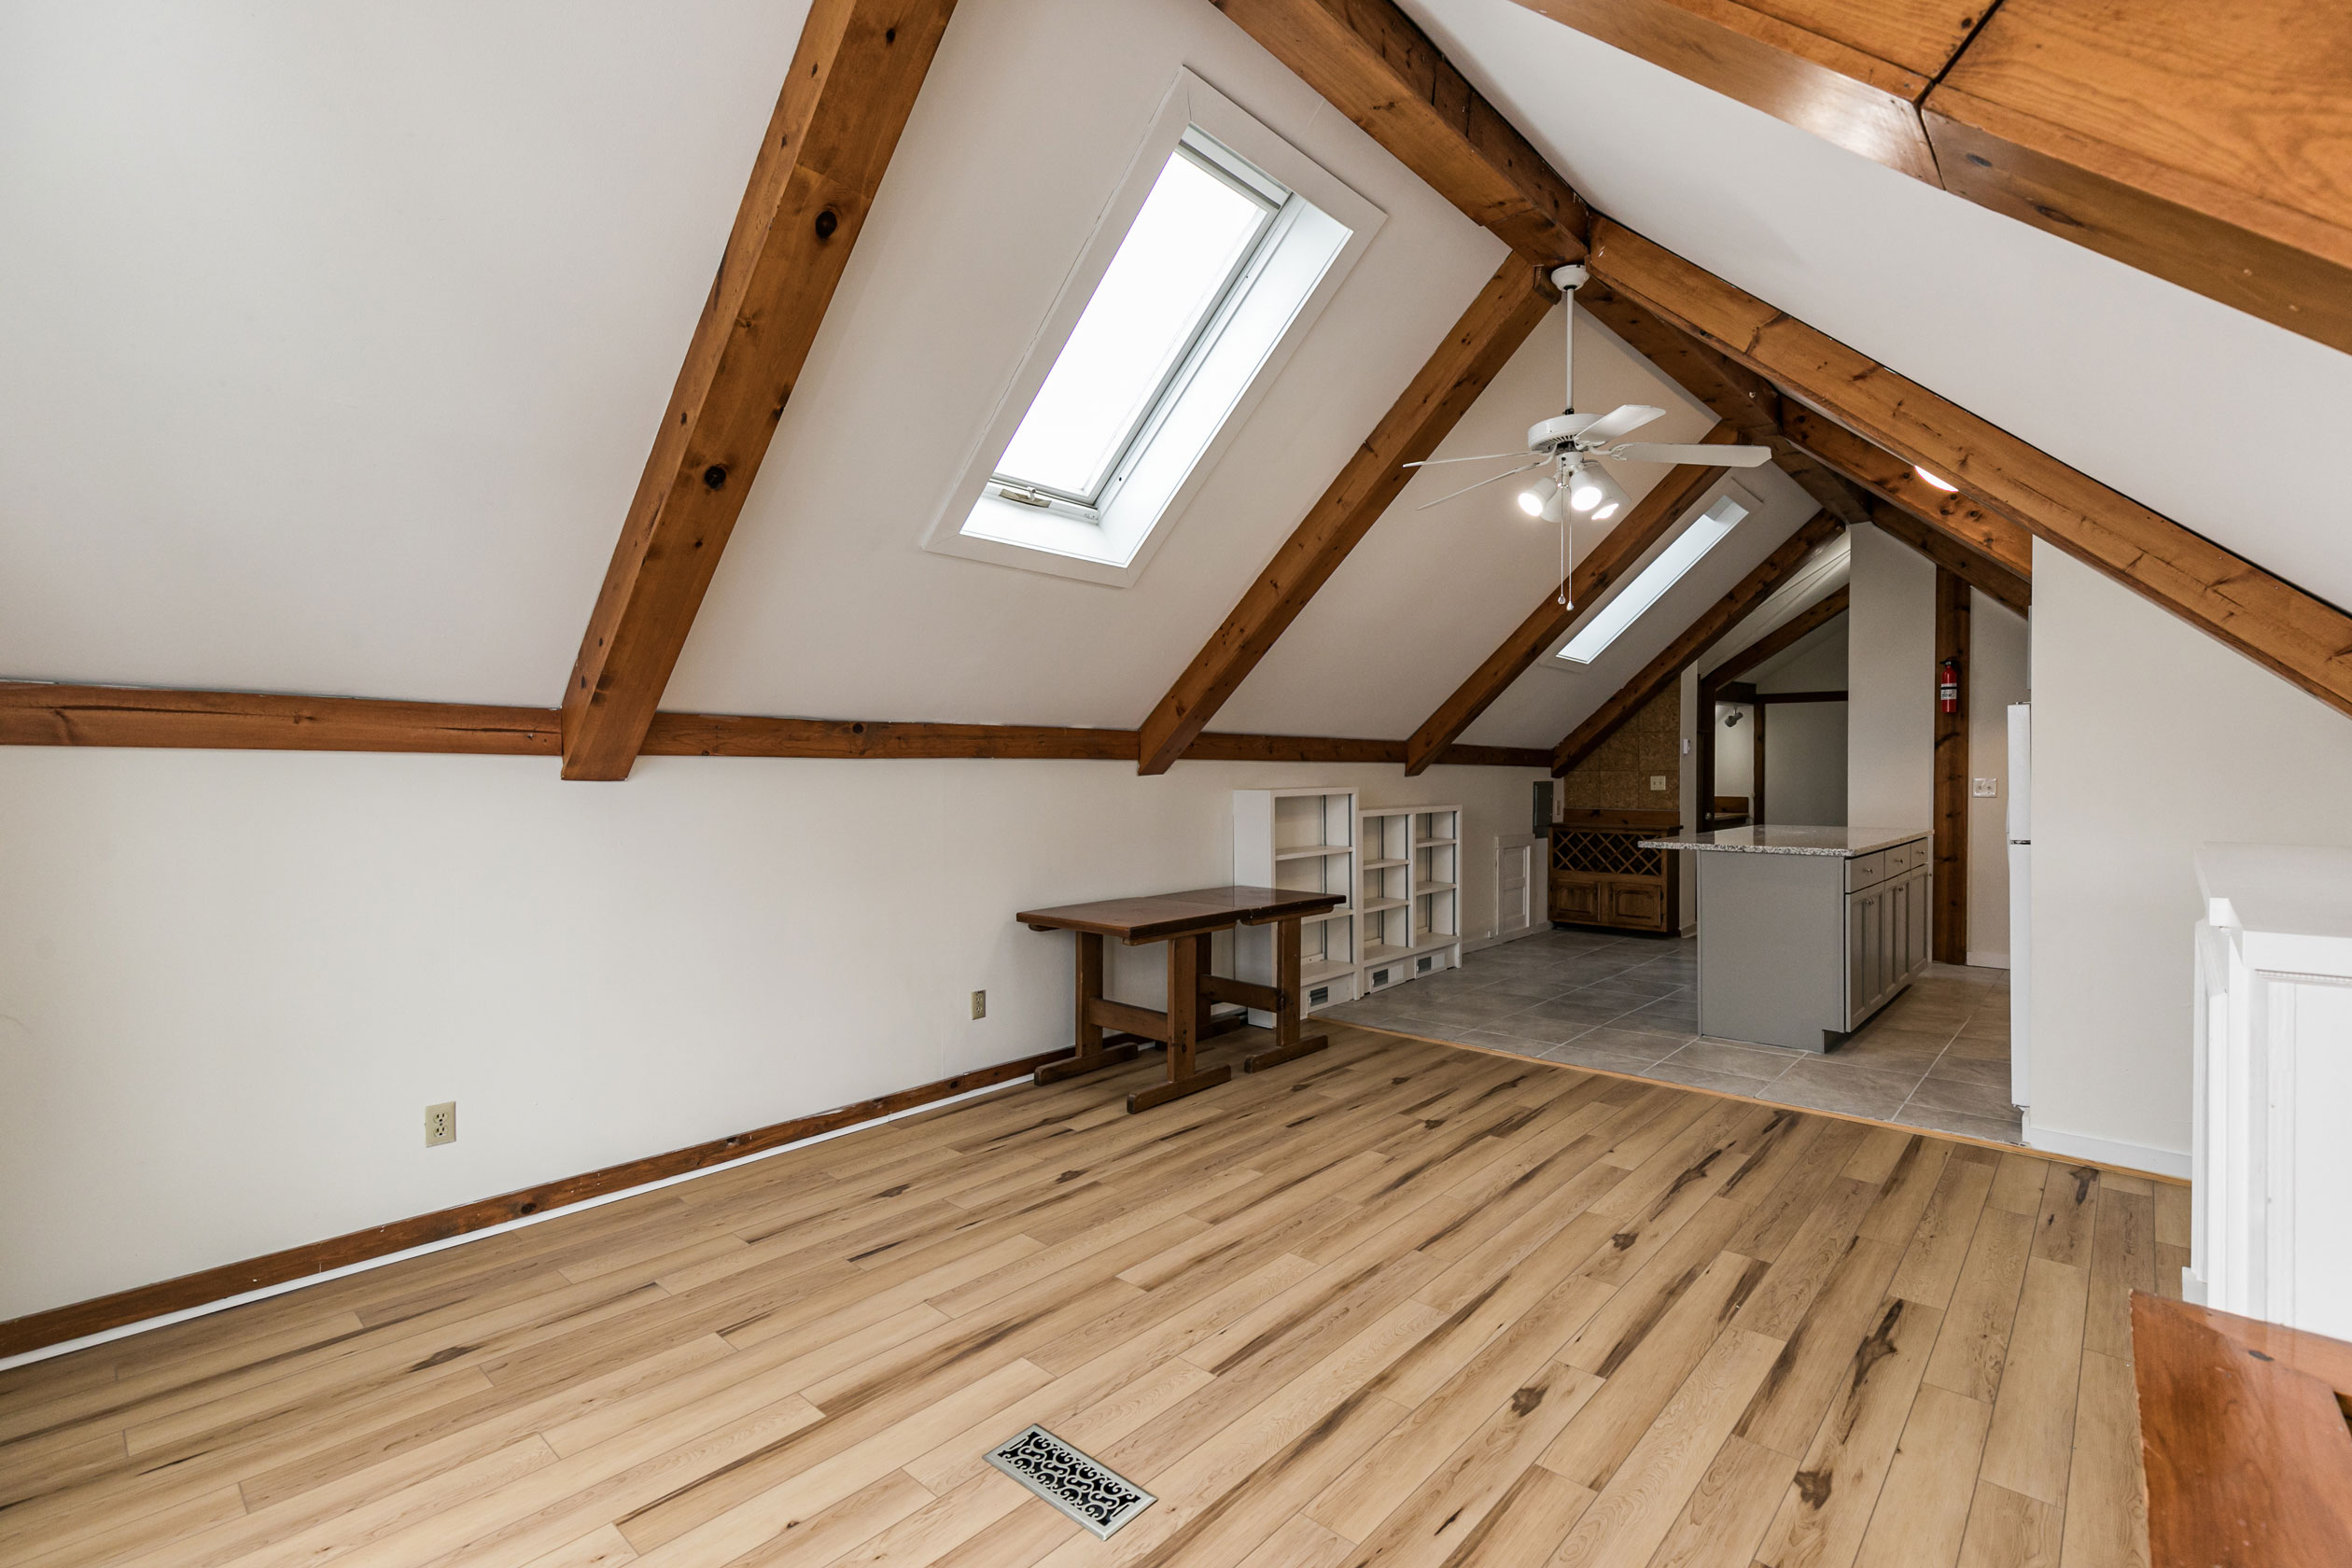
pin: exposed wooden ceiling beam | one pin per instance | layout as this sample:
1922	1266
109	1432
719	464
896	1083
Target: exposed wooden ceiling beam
37	713
1476	347
1855	78
34	713
1783	637
1733	391
2208	156
2007	543
1371	62
2299	636
1988	576
2209	147
1653	517
845	98
1700	634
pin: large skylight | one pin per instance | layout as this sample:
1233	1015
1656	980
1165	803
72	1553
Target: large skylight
1206	266
1199	228
1663	572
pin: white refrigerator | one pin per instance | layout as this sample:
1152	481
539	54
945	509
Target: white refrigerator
2020	899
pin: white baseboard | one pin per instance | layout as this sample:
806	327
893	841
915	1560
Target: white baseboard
2106	1150
1987	961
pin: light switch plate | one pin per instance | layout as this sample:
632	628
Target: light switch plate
1988	787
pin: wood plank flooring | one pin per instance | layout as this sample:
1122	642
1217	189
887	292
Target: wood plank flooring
1397	1304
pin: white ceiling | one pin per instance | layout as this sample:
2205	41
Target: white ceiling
2130	379
332	337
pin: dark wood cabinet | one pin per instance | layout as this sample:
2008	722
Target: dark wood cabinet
1601	876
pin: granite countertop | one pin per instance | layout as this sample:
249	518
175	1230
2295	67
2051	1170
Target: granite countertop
1845	843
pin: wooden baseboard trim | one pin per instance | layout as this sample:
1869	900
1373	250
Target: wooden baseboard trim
37	1330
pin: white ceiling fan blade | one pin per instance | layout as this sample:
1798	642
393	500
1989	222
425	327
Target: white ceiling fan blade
1483	483
1482	457
1618	421
1709	457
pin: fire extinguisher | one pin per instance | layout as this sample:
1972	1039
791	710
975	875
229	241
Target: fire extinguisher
1948	685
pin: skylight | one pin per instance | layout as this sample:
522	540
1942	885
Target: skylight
1199	228
1206	266
1663	572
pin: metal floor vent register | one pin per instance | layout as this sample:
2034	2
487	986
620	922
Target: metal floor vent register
1095	1495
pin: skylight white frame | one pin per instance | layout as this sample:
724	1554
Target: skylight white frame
1726	490
1063	540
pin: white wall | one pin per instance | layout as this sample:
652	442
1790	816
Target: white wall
2149	738
1805	763
1890	678
231	981
1997	676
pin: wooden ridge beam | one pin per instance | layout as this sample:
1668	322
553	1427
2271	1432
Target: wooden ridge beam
2295	635
1700	634
1653	517
1989	577
1372	63
847	96
1476	347
1855	78
37	713
2207	157
1782	638
2004	543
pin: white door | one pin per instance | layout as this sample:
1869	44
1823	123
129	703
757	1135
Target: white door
1515	882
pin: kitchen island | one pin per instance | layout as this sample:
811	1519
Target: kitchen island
1804	933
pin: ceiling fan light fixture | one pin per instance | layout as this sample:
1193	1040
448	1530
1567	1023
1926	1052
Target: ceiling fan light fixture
1613	498
1936	479
1584	489
1537	497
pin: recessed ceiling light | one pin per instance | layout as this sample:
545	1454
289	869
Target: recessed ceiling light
1944	484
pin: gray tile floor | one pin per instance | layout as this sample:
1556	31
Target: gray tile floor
1937	1057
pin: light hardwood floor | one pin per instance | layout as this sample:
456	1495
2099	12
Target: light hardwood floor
1396	1304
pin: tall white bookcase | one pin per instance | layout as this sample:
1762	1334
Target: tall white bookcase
1398	865
1302	841
1436	879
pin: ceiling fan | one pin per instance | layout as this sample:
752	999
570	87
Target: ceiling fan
1574	447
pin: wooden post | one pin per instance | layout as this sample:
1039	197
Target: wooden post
1756	769
1951	928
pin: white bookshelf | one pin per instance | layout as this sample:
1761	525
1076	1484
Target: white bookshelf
1400	867
1384	898
1303	840
1435	879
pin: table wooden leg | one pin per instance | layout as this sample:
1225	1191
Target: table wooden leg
1092	1057
1288	1044
1187	966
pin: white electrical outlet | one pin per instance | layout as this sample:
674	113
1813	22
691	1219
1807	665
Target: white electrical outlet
1657	782
979	1005
1988	787
440	1123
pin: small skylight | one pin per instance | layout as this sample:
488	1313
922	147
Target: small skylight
1218	249
1203	224
1663	573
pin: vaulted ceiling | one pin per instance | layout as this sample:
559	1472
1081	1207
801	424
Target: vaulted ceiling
335	340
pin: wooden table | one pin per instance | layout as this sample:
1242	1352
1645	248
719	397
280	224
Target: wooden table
1184	921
